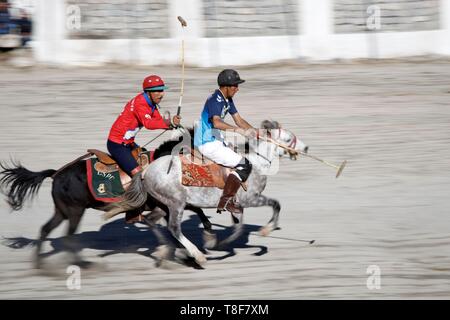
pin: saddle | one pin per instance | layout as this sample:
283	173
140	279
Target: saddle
197	171
107	165
106	159
200	171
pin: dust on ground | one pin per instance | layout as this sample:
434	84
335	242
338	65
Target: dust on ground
390	208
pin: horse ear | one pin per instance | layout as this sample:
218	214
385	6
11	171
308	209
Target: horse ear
266	124
276	125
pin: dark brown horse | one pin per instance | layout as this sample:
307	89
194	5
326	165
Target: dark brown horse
71	196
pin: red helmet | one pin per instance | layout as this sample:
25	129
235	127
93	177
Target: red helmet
153	83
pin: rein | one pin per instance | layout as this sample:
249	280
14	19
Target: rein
155	137
288	148
269	161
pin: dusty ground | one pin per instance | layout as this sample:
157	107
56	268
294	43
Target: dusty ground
390	208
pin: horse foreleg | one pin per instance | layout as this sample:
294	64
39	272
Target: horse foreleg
261	201
203	218
238	228
51	224
209	237
176	214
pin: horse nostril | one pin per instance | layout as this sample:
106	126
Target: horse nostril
306	149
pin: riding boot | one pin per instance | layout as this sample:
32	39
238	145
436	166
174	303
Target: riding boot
228	201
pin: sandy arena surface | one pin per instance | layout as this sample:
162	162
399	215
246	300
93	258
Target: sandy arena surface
390	208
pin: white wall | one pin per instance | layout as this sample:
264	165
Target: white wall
49	31
316	40
444	47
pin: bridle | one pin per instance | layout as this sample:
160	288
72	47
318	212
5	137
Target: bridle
287	148
291	145
293	142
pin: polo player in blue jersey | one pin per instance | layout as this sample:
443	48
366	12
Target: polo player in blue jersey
211	144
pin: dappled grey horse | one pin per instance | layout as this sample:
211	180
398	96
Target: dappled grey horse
165	185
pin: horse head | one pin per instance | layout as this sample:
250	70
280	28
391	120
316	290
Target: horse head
284	137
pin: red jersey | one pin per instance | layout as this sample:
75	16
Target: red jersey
137	113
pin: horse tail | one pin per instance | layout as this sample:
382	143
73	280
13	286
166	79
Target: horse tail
20	184
134	197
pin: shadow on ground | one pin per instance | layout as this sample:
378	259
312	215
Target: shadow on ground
118	237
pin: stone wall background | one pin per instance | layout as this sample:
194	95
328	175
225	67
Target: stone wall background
119	19
350	16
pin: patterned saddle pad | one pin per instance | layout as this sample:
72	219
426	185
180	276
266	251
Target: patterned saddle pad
198	175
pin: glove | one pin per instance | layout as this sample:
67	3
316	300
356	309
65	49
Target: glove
176	120
251	133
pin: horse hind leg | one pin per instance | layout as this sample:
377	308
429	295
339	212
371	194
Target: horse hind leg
51	224
163	250
261	201
74	215
176	214
273	222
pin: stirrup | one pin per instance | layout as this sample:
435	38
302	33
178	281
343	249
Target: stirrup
235	207
224	207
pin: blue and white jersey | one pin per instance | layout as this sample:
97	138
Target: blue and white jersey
215	105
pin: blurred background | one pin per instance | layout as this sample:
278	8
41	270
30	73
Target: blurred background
360	80
224	32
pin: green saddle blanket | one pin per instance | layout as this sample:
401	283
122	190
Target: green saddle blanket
105	187
104	181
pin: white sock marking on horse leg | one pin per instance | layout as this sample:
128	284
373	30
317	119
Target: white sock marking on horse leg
192	249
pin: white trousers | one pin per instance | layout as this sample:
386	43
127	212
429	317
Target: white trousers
217	152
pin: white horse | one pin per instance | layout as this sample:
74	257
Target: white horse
166	187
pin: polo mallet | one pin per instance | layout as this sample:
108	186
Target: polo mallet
183	24
295	152
339	168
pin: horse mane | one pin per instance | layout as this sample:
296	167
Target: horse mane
167	146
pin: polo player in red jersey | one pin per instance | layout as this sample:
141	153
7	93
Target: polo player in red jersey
141	111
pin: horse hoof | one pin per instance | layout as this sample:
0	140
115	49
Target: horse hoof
264	231
160	263
200	259
209	240
162	252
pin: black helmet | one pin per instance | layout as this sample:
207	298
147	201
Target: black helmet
229	77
